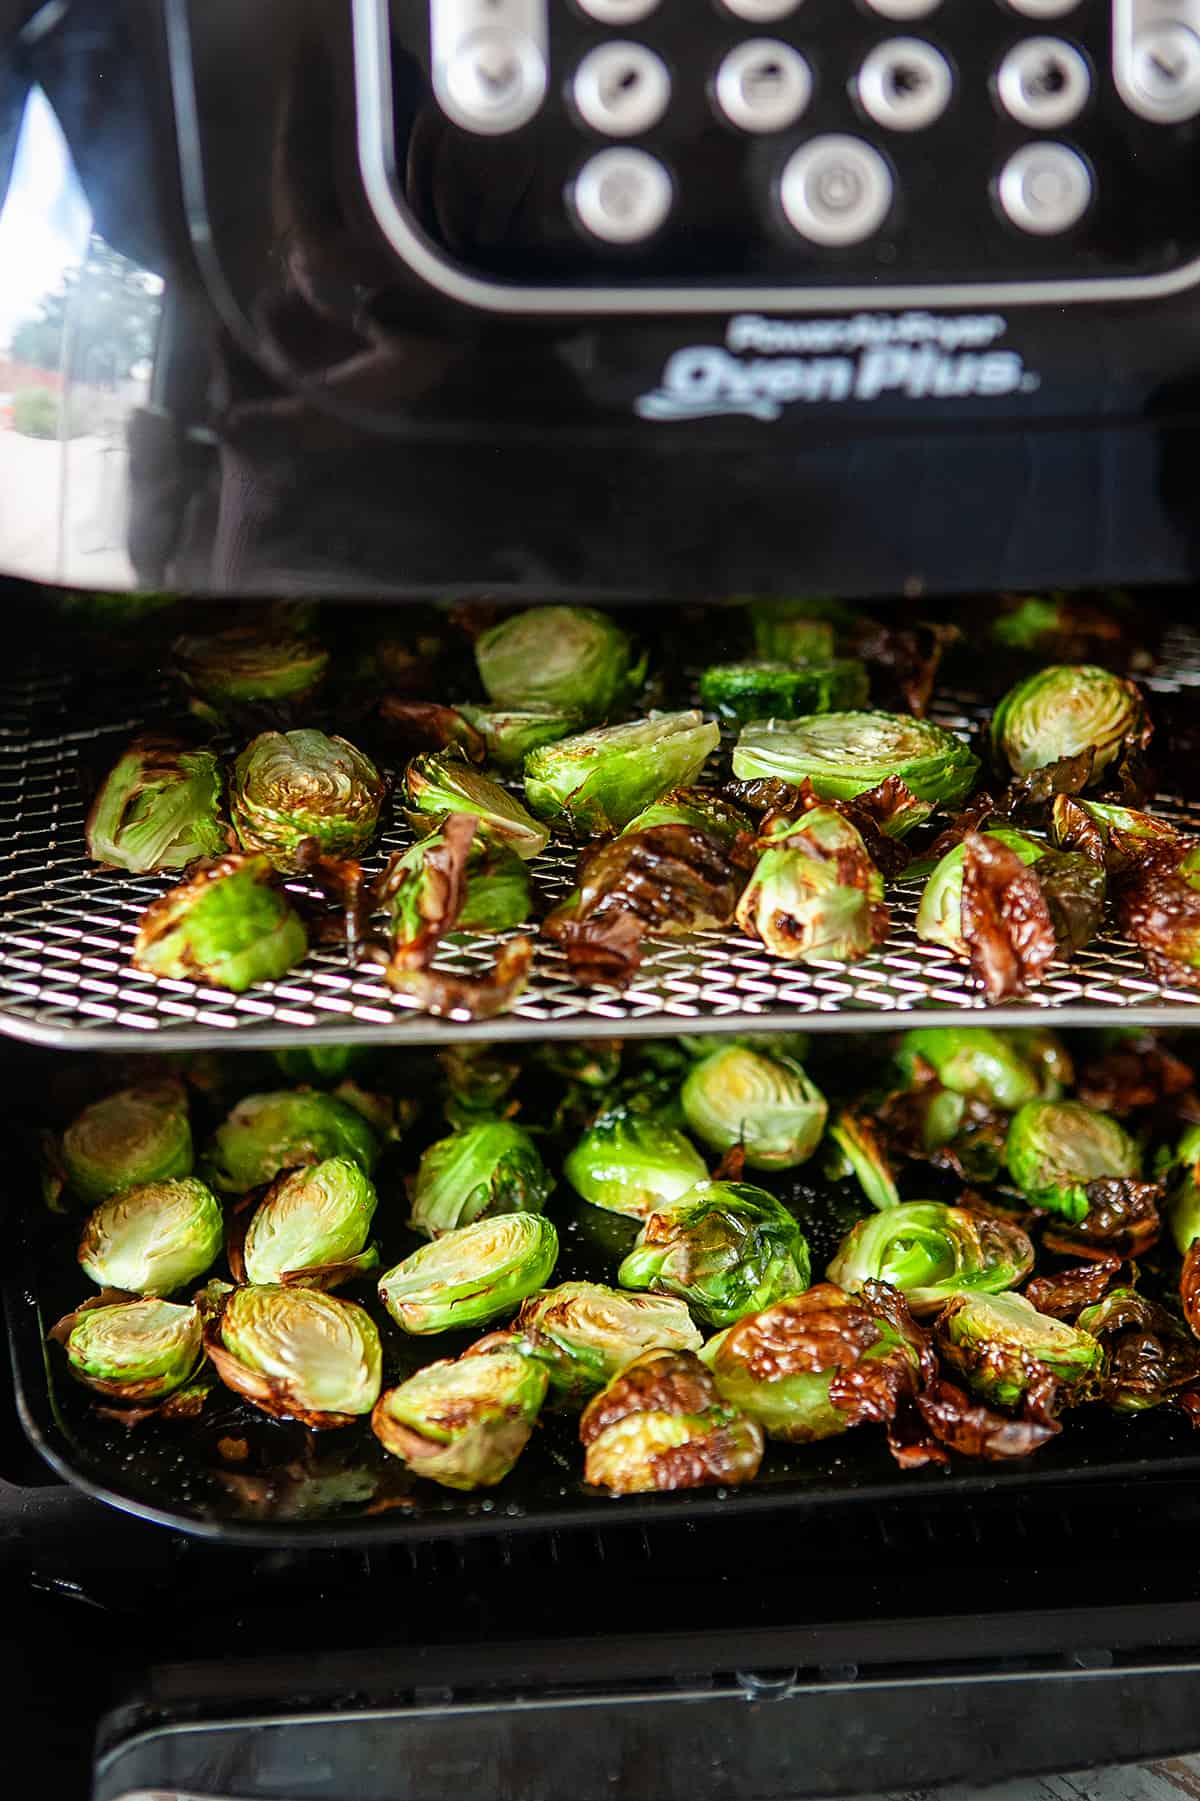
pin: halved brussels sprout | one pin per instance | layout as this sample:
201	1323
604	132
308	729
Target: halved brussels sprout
600	780
727	1249
860	1151
473	1275
930	1252
137	1135
1048	1055
815	895
248	664
699	809
312	1227
463	1423
487	1169
571	659
497	890
583	1333
228	927
765	1103
1065	711
154	1238
289	786
1183	1212
939	916
440	785
157	808
1002	1347
1149	1355
296	1353
846	754
1056	1148
802	630
135	1352
510	734
629	1162
745	691
973	1061
1076	823
268	1133
661	1424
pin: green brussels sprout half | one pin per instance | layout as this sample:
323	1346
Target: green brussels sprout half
1064	711
699	809
802	630
727	1249
973	1061
815	895
137	1135
228	927
930	1252
1048	1055
487	1169
939	916
312	1227
268	1133
1149	1355
154	1238
157	808
497	896
583	1333
600	780
763	1102
1070	812
290	786
297	1353
745	691
630	1162
859	1151
135	1352
846	754
1033	622
1056	1148
324	1065
1183	1211
440	785
245	665
1002	1347
569	659
463	1423
473	1275
661	1424
510	735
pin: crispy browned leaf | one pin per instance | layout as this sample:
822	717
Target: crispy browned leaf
976	816
345	918
870	813
1189	1286
671	878
412	725
1005	920
1074	888
767	794
441	884
904	661
1132	1077
673	1382
1069	775
450	996
973	1430
1161	912
1065	1295
1122	1220
605	952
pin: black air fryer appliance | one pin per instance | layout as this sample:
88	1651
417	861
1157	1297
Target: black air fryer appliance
641	304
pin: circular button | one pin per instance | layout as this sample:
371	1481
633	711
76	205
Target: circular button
904	9
1044	83
622	89
1043	9
836	190
623	196
1165	71
619	12
763	86
905	85
1045	189
762	12
495	82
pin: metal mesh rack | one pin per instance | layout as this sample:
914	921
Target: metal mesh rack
66	930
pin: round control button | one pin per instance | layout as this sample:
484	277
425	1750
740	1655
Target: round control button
836	190
1165	71
619	12
623	196
1043	9
905	84
904	9
762	12
763	86
495	82
1045	189
1043	83
622	89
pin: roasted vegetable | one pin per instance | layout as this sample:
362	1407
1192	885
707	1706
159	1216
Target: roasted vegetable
295	1353
463	1423
312	1227
745	691
152	1239
727	1249
583	1333
268	1133
930	1252
496	893
1057	1149
847	754
1110	834
322	1064
290	786
975	1062
569	659
1158	905
487	1169
815	895
157	808
765	1104
473	1275
440	785
1068	710
631	1161
509	735
228	927
1149	1355
939	916
249	666
859	1149
699	809
137	1135
1003	1348
802	630
135	1353
603	778
661	1424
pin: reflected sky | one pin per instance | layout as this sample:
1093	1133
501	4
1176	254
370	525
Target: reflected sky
45	222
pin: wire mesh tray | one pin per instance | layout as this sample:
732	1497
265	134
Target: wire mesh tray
67	929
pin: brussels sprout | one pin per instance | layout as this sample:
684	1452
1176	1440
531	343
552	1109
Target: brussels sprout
583	1333
815	895
1003	1347
228	927
497	893
797	631
630	1162
157	808
441	785
151	1239
939	916
1056	1148
289	786
463	1423
745	691
137	1135
860	1151
479	1079
601	779
846	754
322	1064
1149	1355
570	659
297	1353
1065	711
311	1229
268	1133
973	1061
1090	824
488	1169
136	1352
247	664
765	1103
661	1424
1030	624
472	1275
1048	1055
510	735
699	809
930	1252
726	1248
812	1366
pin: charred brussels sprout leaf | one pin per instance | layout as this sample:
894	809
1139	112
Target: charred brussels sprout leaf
1112	835
699	810
815	895
571	659
1149	1355
154	1238
441	785
268	1133
939	916
1056	1149
764	1103
473	1275
583	1333
311	1230
973	1061
726	1248
135	1352
846	754
138	1135
1068	710
661	1424
1158	906
157	808
488	1169
745	691
860	1150
510	735
1003	1348
289	786
930	1252
630	1162
297	1353
246	666
463	1424
228	927
601	779
434	894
